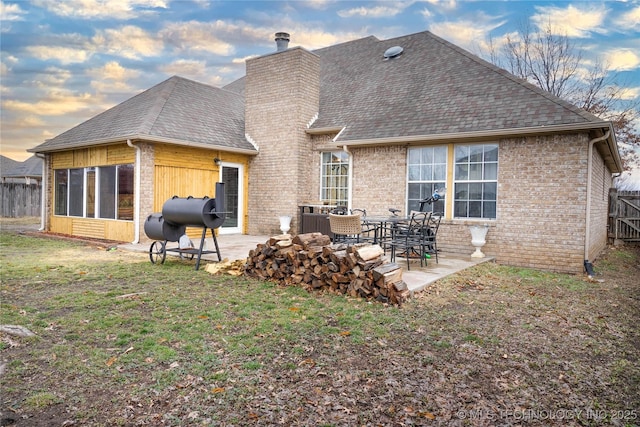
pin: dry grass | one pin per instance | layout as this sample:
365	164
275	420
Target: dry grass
123	342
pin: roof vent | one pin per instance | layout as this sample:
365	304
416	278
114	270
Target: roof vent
282	41
392	52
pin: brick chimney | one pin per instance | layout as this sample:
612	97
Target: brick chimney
282	95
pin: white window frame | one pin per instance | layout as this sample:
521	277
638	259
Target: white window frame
348	164
477	172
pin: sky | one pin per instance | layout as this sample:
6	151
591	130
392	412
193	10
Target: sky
63	62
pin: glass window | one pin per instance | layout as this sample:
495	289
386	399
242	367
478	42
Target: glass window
125	192
107	179
475	181
76	192
91	193
427	172
334	179
61	191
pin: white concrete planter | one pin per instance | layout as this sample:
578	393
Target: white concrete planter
478	239
285	223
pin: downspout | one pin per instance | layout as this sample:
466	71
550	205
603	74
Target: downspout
346	150
587	264
136	211
43	190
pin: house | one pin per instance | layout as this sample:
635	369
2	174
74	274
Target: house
28	172
368	124
20	187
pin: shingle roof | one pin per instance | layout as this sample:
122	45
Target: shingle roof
7	165
32	168
433	87
178	109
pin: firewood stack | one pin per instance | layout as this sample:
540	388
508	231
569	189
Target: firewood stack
310	260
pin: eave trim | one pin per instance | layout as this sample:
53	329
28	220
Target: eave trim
145	138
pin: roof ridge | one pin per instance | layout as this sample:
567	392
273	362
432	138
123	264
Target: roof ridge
153	114
522	82
372	37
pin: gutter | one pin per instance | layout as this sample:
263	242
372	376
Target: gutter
587	264
350	191
136	211
43	190
483	134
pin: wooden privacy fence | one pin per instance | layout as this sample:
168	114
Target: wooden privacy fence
19	199
624	215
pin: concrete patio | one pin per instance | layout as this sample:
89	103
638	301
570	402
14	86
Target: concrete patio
237	246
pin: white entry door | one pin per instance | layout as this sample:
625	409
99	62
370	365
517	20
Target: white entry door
231	174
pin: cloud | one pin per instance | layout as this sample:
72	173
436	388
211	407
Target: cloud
443	4
55	103
112	78
622	59
101	9
471	35
373	12
629	20
128	41
630	93
200	36
52	77
112	70
318	4
185	67
62	54
11	12
571	21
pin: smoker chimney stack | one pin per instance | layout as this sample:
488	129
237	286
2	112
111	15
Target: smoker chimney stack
282	41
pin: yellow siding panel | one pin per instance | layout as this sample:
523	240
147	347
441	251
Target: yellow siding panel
96	156
108	229
88	228
186	157
121	231
61	224
182	182
62	160
80	158
120	154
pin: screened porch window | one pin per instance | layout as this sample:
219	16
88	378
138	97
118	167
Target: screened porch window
95	192
334	178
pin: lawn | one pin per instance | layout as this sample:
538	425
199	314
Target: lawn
121	341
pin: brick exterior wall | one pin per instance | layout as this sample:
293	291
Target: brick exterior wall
379	179
282	96
147	166
601	182
541	213
541	202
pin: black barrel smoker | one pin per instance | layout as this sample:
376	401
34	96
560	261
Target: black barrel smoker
178	213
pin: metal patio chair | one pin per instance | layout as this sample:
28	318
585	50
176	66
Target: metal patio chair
410	239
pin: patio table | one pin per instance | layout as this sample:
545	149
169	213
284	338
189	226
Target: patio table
382	223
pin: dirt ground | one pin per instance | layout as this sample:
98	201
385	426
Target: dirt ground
490	346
